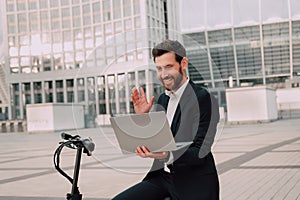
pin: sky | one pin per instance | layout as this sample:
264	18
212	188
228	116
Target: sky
217	13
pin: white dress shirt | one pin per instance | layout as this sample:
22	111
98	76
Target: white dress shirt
172	106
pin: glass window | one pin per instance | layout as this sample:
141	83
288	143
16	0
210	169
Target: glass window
122	92
118	26
11	19
32	4
48	91
45	21
12	41
98	30
16	94
70	83
27	92
55	21
276	48
33	22
101	87
76	11
22	21
76	16
249	33
66	19
76	22
194	40
10	6
59	84
70	96
222	59
86	14
110	52
248	60
11	28
137	22
70	90
64	2
296	46
86	9
128	24
136	6
43	4
53	3
106	10
117	9
37	87
86	19
21	5
131	85
111	93
91	88
219	36
142	78
59	97
80	88
96	12
127	8
101	94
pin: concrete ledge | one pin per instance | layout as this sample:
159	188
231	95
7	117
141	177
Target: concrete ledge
250	122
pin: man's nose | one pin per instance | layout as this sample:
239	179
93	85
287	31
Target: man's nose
164	73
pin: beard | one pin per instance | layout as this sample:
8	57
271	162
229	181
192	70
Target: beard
177	81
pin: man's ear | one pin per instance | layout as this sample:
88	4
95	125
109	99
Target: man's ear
184	63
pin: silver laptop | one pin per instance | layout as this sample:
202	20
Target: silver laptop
149	129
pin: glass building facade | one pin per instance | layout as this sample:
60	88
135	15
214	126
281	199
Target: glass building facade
91	52
258	54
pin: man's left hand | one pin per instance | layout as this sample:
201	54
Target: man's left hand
144	152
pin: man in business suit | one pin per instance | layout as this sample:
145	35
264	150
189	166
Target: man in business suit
189	173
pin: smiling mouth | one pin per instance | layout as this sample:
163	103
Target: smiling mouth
167	80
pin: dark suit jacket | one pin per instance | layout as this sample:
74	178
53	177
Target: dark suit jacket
196	120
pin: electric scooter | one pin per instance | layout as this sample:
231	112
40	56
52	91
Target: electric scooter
82	145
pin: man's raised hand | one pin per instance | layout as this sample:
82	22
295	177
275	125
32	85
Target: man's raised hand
140	102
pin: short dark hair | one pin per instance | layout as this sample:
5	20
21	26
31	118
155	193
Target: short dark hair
169	46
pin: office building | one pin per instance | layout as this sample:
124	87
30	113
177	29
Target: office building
3	92
246	43
91	52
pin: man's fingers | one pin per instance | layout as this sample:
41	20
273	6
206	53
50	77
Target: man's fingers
140	152
142	92
145	149
144	152
134	95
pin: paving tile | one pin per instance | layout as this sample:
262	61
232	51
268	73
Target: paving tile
290	183
257	161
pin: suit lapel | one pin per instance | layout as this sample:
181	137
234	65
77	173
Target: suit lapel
182	103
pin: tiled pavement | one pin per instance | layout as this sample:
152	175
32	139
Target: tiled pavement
257	161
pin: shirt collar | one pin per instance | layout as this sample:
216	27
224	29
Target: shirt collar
179	92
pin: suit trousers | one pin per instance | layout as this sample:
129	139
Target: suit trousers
162	187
